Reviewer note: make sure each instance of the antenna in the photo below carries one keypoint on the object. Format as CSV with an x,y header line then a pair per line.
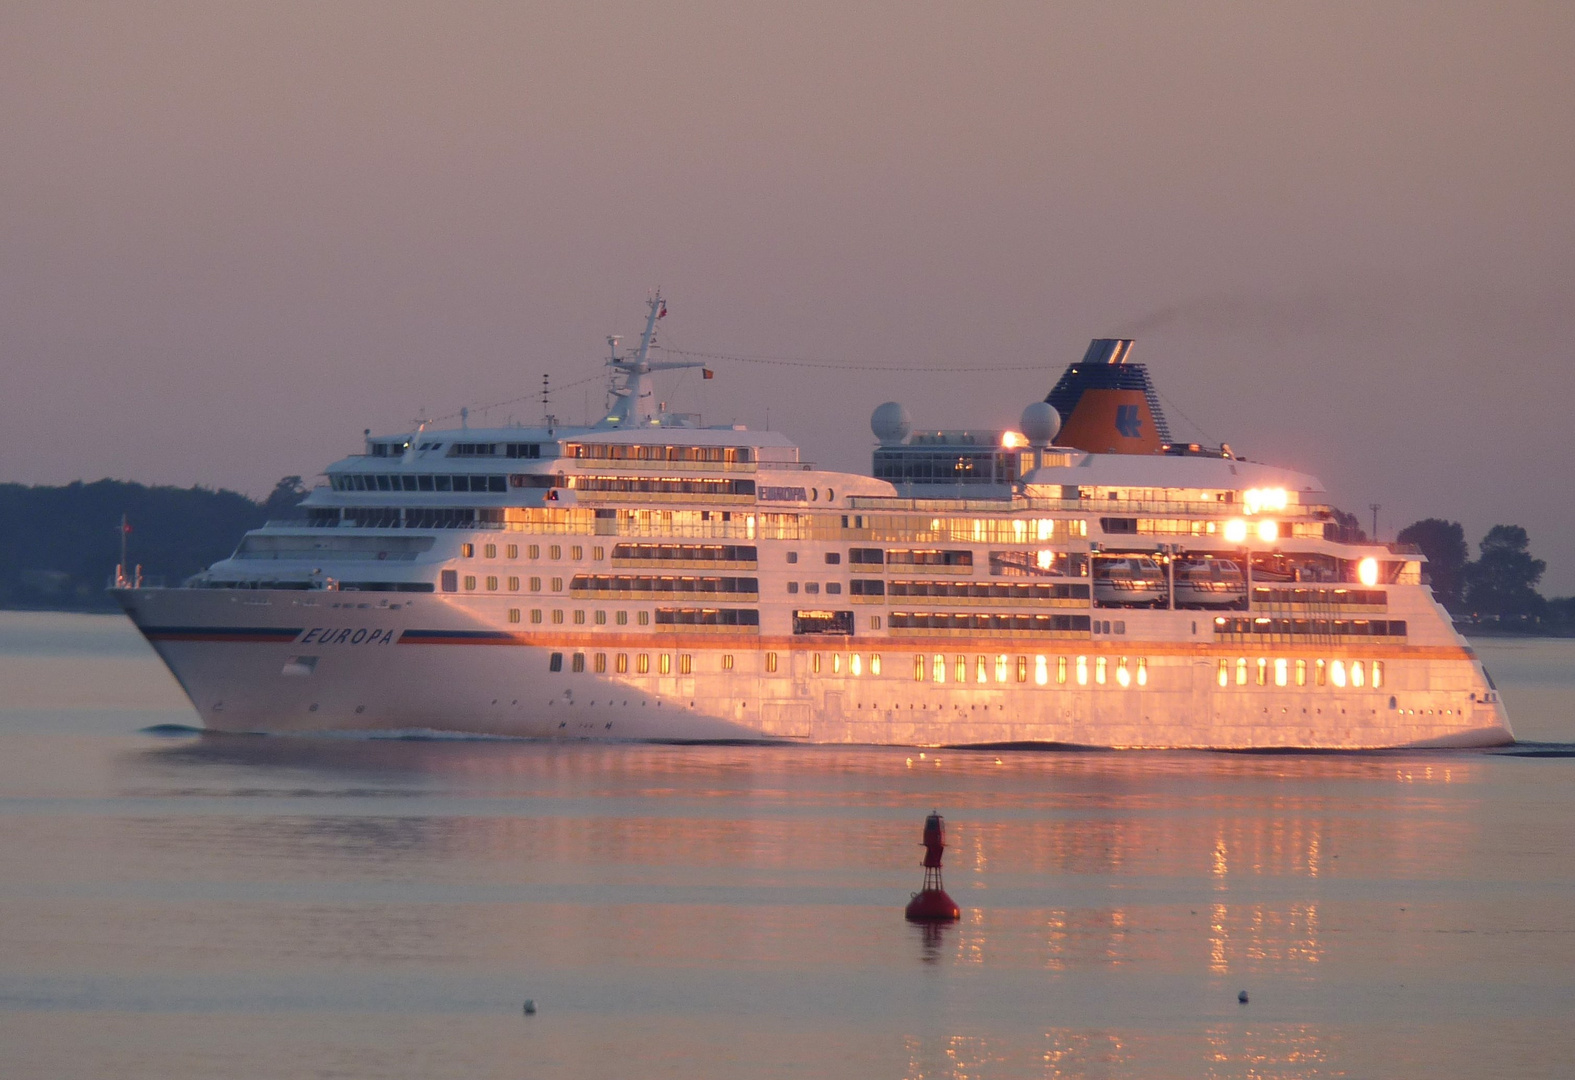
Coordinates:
x,y
1374,508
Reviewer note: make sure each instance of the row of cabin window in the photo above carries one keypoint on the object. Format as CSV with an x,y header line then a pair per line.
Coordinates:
x,y
1123,670
492,583
1285,672
532,551
833,588
642,663
539,616
496,484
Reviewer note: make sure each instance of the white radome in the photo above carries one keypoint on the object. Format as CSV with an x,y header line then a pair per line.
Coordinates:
x,y
891,423
1040,423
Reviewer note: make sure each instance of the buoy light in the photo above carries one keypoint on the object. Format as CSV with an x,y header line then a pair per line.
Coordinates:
x,y
1236,531
1367,571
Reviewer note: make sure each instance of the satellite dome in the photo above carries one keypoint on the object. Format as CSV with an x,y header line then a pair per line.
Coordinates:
x,y
891,423
1040,423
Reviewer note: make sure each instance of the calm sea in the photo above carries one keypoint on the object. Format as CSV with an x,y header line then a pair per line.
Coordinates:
x,y
178,906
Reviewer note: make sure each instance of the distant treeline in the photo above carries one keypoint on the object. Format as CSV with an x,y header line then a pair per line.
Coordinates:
x,y
59,545
1497,591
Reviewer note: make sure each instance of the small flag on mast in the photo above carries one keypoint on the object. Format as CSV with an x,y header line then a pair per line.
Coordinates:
x,y
707,373
663,313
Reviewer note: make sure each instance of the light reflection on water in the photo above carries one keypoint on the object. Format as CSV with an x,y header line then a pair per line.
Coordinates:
x,y
199,906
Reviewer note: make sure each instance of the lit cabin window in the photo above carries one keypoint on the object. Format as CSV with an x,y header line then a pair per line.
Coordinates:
x,y
1082,671
685,663
1301,673
1357,674
875,664
771,661
1337,672
1378,674
1041,671
1060,670
643,664
1224,672
623,663
1099,670
1241,671
601,663
664,664
1001,665
939,668
1142,671
1281,671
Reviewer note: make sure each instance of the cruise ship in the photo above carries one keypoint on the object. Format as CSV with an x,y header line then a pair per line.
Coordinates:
x,y
1081,580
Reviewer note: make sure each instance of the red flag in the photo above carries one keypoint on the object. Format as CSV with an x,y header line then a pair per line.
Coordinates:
x,y
707,373
663,313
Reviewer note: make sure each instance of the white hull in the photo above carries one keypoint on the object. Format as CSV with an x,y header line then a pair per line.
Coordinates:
x,y
394,677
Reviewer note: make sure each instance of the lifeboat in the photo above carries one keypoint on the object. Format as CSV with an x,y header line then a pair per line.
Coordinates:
x,y
1129,582
1209,583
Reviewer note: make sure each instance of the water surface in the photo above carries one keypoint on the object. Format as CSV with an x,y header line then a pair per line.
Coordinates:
x,y
176,905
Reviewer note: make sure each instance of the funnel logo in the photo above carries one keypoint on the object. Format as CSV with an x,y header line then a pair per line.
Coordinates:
x,y
1128,423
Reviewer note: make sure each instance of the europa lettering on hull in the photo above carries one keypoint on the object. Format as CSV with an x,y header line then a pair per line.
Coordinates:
x,y
1068,576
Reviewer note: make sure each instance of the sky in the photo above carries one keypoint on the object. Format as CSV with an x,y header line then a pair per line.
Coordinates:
x,y
232,236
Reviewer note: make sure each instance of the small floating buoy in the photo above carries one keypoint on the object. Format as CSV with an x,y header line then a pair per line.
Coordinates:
x,y
530,1006
1242,997
931,904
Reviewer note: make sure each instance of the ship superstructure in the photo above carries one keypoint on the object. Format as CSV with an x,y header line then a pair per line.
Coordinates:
x,y
1087,583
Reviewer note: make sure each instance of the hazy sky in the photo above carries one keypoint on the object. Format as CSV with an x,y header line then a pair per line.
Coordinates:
x,y
1344,235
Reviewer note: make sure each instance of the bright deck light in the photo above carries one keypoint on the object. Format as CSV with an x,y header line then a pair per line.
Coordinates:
x,y
1367,571
1011,440
1268,531
1260,499
1236,531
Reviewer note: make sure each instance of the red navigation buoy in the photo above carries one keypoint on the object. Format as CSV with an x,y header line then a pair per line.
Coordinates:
x,y
931,904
